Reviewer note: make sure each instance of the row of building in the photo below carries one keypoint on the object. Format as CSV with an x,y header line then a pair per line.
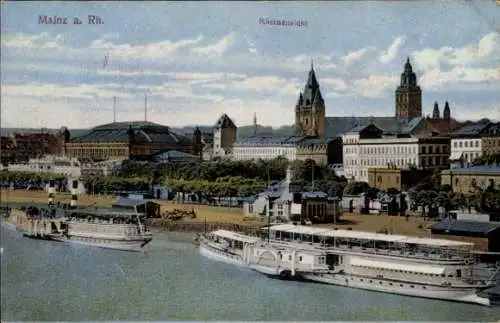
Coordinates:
x,y
355,145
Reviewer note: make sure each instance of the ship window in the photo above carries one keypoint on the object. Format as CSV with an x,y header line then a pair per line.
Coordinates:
x,y
361,279
412,286
300,258
424,287
371,281
290,258
380,283
401,285
443,275
390,284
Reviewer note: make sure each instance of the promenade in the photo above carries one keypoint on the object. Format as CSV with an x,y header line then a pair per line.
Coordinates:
x,y
414,226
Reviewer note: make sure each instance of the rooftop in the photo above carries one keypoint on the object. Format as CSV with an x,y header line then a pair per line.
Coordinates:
x,y
492,169
143,132
459,227
471,129
336,126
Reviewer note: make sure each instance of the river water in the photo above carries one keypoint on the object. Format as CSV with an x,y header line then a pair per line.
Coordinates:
x,y
43,280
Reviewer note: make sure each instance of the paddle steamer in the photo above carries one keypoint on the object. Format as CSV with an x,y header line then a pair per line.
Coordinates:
x,y
420,267
106,228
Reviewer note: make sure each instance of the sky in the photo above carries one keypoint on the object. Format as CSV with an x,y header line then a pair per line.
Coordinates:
x,y
198,60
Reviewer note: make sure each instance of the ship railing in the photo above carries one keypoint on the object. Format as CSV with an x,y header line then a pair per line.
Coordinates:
x,y
465,257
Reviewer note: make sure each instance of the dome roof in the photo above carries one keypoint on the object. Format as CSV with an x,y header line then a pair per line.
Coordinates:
x,y
143,132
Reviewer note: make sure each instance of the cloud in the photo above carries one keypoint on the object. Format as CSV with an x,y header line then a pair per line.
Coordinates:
x,y
216,49
391,53
355,56
487,50
374,86
436,79
193,80
41,41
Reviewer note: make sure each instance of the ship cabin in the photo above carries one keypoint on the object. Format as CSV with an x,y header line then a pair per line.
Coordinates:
x,y
374,243
101,216
149,208
232,239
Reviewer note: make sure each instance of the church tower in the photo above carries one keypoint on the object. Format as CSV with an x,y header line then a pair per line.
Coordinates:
x,y
310,109
435,111
408,94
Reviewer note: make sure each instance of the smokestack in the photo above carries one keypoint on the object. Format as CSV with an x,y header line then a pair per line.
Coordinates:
x,y
52,191
114,109
74,193
146,107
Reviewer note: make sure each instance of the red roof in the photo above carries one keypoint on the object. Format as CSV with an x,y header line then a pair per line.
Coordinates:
x,y
443,126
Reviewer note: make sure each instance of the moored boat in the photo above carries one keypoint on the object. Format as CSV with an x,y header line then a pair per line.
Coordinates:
x,y
421,267
104,228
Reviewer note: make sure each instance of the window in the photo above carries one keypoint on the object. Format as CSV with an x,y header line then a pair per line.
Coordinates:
x,y
300,258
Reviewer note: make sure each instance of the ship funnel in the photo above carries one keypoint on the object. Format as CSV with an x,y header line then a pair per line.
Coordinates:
x,y
74,193
51,191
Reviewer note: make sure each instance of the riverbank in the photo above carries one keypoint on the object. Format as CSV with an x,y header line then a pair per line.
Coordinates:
x,y
225,217
203,212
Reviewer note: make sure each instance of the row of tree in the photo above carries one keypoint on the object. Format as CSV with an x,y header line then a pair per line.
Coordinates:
x,y
430,193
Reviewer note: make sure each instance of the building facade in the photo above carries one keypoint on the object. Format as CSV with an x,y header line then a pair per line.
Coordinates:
x,y
20,147
490,140
466,143
136,139
463,180
398,178
266,148
225,134
367,147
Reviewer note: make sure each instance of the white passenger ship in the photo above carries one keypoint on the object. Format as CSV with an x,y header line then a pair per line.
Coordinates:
x,y
104,228
271,259
421,267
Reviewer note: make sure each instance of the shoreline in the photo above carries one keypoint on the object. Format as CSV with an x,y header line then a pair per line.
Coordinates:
x,y
226,217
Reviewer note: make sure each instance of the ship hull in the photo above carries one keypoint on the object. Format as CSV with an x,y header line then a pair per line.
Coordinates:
x,y
456,294
221,256
123,245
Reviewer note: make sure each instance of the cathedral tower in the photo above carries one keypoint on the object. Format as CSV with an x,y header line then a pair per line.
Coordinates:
x,y
310,109
408,94
435,111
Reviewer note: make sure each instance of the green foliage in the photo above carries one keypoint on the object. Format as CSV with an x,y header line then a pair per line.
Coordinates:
x,y
356,188
8,176
487,160
430,193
